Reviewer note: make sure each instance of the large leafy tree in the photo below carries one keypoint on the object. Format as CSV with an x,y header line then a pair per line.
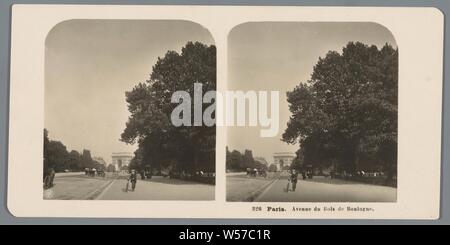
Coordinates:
x,y
162,144
297,162
74,161
45,153
236,161
248,160
57,157
347,112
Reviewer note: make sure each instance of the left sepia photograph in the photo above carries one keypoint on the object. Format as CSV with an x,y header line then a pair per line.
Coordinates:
x,y
113,106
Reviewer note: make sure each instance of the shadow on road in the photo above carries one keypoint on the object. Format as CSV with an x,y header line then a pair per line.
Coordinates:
x,y
325,180
170,181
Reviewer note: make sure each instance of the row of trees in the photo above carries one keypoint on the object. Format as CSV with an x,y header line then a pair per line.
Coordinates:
x,y
161,145
58,158
236,161
346,115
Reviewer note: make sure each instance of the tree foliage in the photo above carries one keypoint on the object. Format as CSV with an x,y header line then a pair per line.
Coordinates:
x,y
161,144
299,159
57,157
236,161
347,112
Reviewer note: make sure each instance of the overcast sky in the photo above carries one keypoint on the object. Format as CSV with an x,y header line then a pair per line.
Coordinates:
x,y
279,56
90,64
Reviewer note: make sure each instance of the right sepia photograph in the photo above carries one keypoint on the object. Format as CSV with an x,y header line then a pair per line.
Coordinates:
x,y
332,113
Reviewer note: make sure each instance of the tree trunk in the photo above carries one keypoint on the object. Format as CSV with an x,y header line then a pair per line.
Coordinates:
x,y
356,162
196,153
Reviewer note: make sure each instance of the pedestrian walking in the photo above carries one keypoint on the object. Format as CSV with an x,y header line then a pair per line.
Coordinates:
x,y
133,179
288,187
293,179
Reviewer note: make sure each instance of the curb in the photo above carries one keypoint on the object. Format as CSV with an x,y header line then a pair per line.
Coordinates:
x,y
256,194
94,194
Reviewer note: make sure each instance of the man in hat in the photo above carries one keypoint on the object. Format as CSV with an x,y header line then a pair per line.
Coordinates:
x,y
133,179
293,179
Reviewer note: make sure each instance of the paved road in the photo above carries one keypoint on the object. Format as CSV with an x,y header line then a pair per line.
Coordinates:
x,y
75,187
241,188
159,188
334,191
